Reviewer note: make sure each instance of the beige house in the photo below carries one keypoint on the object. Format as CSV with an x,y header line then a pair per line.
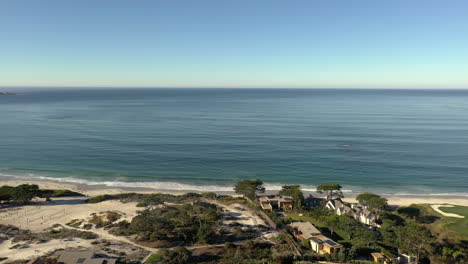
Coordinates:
x,y
322,244
318,242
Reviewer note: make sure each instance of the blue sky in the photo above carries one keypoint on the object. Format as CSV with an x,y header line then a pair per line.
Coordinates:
x,y
316,44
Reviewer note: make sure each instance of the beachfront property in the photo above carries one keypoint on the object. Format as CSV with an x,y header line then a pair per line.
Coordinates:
x,y
275,202
322,244
83,257
359,211
318,242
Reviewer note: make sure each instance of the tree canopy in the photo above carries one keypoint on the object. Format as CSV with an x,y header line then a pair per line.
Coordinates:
x,y
414,239
295,192
373,201
6,193
190,222
331,189
25,193
249,188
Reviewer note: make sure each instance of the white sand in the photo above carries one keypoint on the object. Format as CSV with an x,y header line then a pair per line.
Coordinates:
x,y
437,206
42,215
36,250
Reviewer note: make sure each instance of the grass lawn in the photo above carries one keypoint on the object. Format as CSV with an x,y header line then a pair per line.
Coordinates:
x,y
297,217
154,258
447,227
459,225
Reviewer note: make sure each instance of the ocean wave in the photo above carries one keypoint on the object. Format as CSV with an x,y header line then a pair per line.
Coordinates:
x,y
160,185
177,186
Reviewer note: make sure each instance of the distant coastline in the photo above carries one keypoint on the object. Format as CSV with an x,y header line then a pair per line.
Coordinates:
x,y
7,93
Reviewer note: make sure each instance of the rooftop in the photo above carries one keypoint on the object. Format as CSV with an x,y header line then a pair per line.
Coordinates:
x,y
307,229
321,239
279,198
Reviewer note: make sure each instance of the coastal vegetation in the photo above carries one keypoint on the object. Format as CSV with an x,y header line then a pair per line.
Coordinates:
x,y
249,188
144,199
24,193
331,189
373,201
56,232
169,225
295,192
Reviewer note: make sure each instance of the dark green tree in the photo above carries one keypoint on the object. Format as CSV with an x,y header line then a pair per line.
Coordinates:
x,y
6,193
331,189
24,193
295,192
45,194
364,197
179,255
249,188
333,223
204,233
373,201
414,239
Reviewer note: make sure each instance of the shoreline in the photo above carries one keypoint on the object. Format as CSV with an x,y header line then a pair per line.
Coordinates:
x,y
99,189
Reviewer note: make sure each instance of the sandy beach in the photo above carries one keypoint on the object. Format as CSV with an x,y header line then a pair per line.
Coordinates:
x,y
93,190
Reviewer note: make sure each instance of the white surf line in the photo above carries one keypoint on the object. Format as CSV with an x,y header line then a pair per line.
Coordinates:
x,y
436,208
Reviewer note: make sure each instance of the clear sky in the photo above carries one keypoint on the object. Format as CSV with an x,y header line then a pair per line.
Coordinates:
x,y
240,43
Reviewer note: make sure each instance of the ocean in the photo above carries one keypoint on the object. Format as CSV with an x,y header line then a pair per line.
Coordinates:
x,y
399,142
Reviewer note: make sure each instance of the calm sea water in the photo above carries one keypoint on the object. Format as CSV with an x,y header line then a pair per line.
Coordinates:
x,y
390,141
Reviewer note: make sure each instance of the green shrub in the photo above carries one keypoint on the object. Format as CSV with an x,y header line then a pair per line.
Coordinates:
x,y
154,258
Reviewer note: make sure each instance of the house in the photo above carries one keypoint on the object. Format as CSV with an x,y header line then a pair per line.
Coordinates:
x,y
271,202
367,217
339,207
318,242
304,230
83,257
311,201
380,258
322,244
364,215
359,211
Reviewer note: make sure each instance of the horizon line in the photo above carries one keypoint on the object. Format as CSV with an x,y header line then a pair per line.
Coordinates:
x,y
232,87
